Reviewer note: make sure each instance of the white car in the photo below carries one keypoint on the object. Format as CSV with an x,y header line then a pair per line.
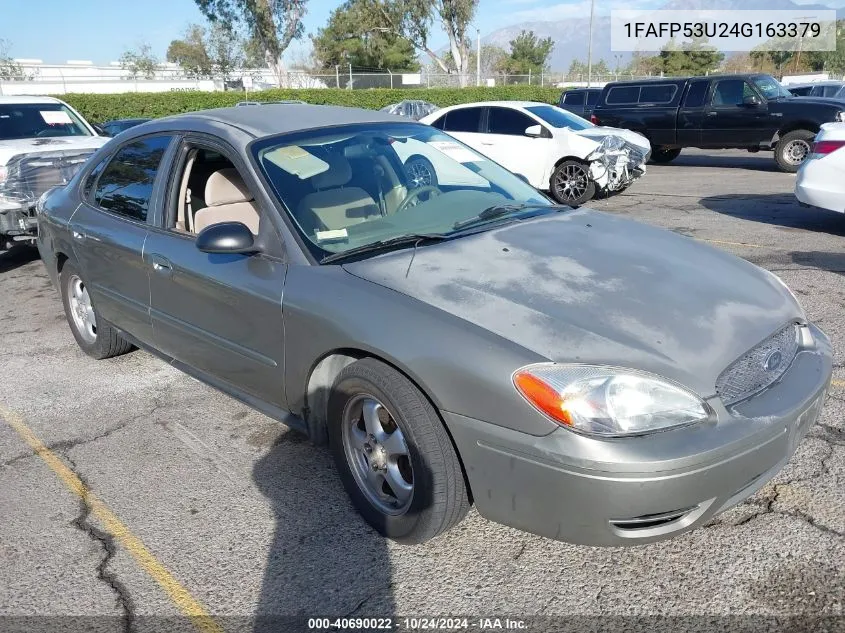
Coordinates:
x,y
43,141
821,178
552,149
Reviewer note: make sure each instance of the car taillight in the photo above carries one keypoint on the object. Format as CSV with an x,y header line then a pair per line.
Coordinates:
x,y
822,148
594,119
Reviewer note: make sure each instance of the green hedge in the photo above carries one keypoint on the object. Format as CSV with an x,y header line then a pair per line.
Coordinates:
x,y
105,107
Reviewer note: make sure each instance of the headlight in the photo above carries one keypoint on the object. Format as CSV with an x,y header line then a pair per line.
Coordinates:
x,y
608,401
840,116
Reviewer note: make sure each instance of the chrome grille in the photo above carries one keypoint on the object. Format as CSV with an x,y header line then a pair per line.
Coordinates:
x,y
759,367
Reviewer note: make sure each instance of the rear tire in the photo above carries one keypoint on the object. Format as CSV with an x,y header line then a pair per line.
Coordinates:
x,y
571,183
394,456
94,336
664,155
792,150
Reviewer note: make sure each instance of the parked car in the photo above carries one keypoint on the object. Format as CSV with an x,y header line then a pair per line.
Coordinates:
x,y
750,112
412,108
113,128
572,373
580,101
43,141
552,149
830,89
821,179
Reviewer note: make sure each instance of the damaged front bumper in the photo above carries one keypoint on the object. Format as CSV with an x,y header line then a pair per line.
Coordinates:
x,y
616,163
18,222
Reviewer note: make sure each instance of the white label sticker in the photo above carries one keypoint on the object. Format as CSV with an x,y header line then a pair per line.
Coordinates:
x,y
328,236
55,117
456,152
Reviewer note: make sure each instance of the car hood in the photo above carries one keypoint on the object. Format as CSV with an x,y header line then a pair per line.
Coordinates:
x,y
795,104
16,147
597,133
589,287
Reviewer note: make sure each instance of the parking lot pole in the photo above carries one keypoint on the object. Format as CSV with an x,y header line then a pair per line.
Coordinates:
x,y
590,45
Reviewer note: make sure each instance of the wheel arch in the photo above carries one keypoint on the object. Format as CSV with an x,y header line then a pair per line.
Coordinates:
x,y
318,388
792,126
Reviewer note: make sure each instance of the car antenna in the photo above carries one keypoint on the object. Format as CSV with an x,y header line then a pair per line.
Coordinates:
x,y
413,255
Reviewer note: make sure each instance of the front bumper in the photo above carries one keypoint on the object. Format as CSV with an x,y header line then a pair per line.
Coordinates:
x,y
638,490
17,220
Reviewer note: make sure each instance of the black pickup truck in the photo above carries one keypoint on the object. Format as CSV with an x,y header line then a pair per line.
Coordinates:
x,y
752,112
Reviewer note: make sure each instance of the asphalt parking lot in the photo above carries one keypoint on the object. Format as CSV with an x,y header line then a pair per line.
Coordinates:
x,y
156,496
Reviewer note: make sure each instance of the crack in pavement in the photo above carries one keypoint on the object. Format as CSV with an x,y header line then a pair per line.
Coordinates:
x,y
123,599
63,446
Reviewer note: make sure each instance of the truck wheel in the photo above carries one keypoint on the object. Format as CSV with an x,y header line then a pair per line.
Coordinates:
x,y
393,453
665,155
793,149
571,183
94,336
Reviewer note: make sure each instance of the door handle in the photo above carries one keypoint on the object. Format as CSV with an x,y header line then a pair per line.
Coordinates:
x,y
712,113
161,264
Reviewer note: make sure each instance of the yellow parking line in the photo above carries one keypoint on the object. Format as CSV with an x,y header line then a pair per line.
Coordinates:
x,y
180,596
838,383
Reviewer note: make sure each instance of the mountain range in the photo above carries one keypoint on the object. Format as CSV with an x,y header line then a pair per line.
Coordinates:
x,y
570,36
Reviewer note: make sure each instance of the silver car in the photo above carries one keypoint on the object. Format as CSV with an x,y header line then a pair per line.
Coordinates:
x,y
570,373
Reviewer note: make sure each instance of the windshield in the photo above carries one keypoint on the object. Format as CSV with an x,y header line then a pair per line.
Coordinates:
x,y
770,87
33,120
351,186
558,117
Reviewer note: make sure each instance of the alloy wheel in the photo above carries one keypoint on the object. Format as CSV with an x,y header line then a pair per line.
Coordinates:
x,y
796,151
571,182
378,454
81,310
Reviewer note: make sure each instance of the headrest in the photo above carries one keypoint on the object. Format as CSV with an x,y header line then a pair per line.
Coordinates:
x,y
338,174
226,187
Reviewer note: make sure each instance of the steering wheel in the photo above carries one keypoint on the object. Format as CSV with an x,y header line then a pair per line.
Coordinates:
x,y
414,196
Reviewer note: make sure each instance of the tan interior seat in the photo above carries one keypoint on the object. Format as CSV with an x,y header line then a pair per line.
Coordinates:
x,y
335,205
227,199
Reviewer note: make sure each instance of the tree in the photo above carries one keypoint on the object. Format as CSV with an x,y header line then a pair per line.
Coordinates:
x,y
191,52
529,54
140,61
274,24
348,39
225,50
9,68
412,20
692,58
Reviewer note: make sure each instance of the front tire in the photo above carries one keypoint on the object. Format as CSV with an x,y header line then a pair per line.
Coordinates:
x,y
792,150
420,172
571,183
94,336
394,456
664,155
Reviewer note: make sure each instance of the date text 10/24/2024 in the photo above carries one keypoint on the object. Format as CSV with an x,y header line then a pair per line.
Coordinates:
x,y
417,624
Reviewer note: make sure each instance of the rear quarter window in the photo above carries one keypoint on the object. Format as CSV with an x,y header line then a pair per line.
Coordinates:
x,y
663,93
623,94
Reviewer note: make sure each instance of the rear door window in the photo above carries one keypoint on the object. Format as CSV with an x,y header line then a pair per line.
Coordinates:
x,y
508,121
573,98
623,94
593,97
126,184
463,120
696,94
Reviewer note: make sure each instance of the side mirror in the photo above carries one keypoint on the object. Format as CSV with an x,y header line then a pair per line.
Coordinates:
x,y
99,130
534,131
226,237
752,101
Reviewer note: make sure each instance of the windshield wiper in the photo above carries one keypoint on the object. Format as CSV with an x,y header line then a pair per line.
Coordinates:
x,y
408,239
498,211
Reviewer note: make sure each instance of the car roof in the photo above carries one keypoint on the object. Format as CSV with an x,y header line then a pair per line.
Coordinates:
x,y
272,119
506,104
27,99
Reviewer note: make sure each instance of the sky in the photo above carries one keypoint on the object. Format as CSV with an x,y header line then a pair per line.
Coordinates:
x,y
101,30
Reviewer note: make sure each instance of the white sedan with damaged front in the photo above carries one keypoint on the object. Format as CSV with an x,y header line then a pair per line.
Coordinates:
x,y
552,149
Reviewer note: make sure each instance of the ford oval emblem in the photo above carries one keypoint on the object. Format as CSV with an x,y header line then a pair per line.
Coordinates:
x,y
773,361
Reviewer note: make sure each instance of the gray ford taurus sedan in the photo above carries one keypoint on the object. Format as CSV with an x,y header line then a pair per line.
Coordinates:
x,y
456,341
